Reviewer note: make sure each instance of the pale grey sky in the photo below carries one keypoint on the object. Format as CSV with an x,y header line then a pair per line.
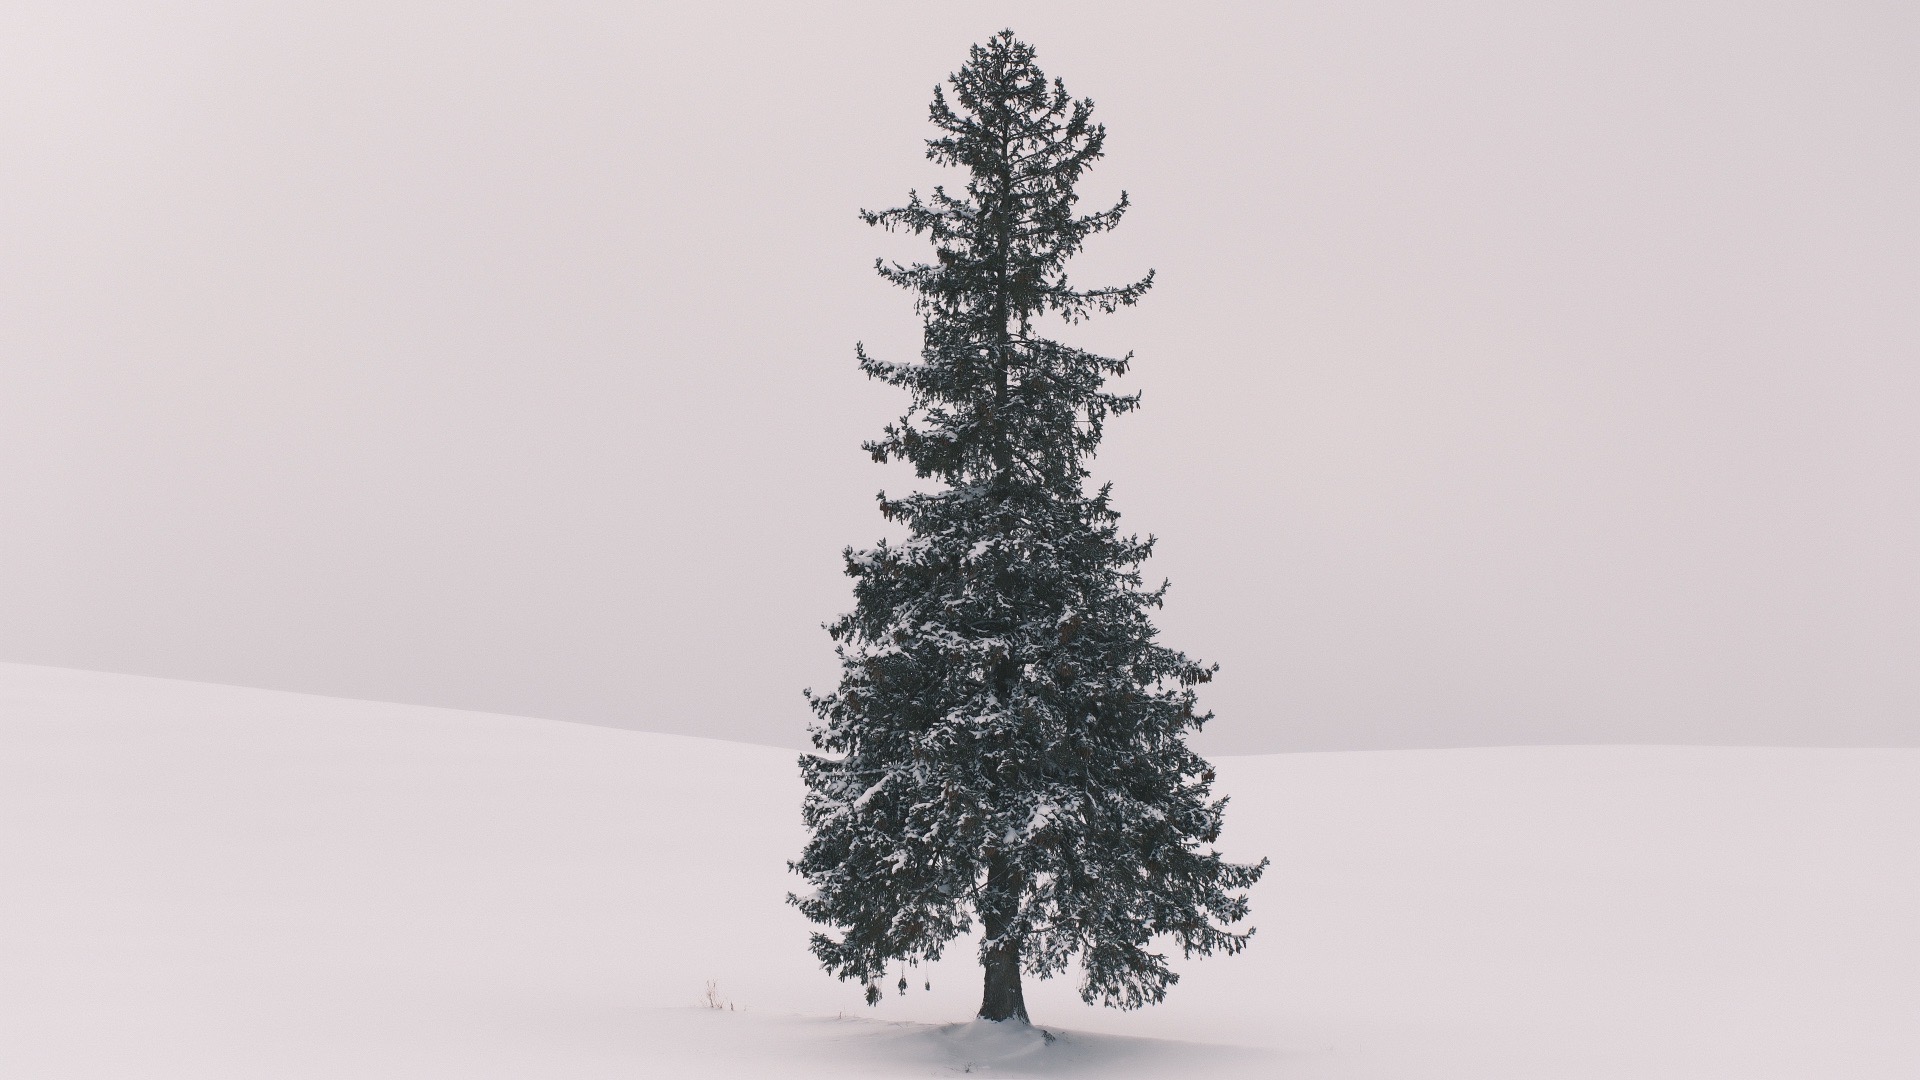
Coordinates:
x,y
1517,372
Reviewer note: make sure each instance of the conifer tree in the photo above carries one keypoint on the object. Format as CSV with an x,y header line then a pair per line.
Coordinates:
x,y
1007,739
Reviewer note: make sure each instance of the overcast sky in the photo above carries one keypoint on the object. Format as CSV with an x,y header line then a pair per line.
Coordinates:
x,y
1516,372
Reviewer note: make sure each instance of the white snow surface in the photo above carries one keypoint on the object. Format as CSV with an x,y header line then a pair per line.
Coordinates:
x,y
210,882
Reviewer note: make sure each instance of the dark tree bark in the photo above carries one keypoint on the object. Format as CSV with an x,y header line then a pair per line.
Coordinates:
x,y
1001,998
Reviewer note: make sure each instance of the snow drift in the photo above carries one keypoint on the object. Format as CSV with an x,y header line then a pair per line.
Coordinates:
x,y
204,881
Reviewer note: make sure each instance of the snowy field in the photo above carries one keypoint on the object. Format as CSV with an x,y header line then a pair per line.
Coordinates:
x,y
208,882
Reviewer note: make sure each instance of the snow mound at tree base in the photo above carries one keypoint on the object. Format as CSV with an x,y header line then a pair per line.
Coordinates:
x,y
214,883
726,1044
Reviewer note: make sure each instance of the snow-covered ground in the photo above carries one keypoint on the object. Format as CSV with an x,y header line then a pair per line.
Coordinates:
x,y
210,882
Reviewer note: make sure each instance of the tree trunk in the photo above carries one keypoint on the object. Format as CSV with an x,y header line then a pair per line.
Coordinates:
x,y
1002,999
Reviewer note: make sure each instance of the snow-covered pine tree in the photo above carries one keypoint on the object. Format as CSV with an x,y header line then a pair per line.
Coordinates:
x,y
1007,740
